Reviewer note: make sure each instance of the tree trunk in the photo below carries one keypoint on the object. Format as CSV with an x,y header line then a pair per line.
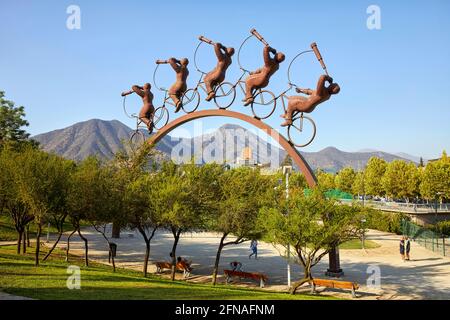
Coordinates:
x,y
38,245
27,231
307,278
85,247
68,244
54,246
216,264
115,232
147,246
147,256
19,241
112,258
24,242
176,236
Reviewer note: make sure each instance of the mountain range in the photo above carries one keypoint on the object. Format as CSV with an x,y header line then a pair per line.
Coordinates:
x,y
104,138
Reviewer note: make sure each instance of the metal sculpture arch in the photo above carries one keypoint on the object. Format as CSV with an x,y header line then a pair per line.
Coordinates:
x,y
288,147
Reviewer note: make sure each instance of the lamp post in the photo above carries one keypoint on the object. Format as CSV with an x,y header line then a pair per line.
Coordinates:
x,y
286,171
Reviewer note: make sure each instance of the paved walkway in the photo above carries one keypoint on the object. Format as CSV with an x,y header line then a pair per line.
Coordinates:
x,y
7,296
426,276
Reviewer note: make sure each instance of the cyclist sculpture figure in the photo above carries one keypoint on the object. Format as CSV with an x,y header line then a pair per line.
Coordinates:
x,y
260,78
316,97
180,85
217,75
147,111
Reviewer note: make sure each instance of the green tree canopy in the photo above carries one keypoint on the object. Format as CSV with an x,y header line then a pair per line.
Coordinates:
x,y
401,180
325,180
345,178
313,226
12,122
41,182
358,186
242,192
436,179
373,174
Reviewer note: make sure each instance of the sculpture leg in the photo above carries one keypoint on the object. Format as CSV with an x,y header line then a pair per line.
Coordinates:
x,y
209,83
249,87
289,112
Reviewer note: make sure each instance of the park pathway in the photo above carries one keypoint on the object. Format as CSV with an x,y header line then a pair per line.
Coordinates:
x,y
426,276
7,296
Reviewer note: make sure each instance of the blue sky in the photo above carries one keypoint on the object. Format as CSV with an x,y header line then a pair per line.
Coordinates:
x,y
394,82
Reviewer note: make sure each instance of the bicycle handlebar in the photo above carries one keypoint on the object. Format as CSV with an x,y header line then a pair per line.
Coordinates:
x,y
258,36
161,61
319,56
206,40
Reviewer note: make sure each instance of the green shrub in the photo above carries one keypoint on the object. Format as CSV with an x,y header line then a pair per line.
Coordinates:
x,y
384,221
442,227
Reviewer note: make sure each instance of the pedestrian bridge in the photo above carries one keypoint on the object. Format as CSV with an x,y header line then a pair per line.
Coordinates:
x,y
420,213
404,207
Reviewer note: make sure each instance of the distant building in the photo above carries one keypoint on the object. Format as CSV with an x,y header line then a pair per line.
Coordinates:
x,y
246,160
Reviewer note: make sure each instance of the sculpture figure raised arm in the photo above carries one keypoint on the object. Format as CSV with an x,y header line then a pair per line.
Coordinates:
x,y
259,78
217,75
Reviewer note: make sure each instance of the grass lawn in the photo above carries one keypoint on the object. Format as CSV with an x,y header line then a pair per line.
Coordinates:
x,y
9,233
19,276
356,244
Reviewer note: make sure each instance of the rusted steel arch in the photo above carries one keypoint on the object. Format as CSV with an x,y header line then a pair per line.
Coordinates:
x,y
290,149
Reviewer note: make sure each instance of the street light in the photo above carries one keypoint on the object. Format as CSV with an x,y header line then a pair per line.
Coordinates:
x,y
286,171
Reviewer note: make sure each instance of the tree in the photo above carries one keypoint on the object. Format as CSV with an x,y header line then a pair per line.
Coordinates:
x,y
297,180
345,179
358,186
40,180
421,164
373,174
401,180
142,214
325,180
243,192
287,161
108,183
83,198
11,122
180,201
436,179
313,227
59,212
11,163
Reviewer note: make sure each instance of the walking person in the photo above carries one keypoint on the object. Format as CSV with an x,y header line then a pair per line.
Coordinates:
x,y
402,248
407,248
254,248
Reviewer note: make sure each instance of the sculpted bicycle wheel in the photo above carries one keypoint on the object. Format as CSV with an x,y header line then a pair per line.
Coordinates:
x,y
161,117
225,93
190,100
137,139
302,131
264,104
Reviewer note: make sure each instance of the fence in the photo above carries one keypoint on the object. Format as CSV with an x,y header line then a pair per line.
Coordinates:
x,y
427,238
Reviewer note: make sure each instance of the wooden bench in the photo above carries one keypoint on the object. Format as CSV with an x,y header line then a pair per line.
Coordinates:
x,y
180,266
334,284
250,275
